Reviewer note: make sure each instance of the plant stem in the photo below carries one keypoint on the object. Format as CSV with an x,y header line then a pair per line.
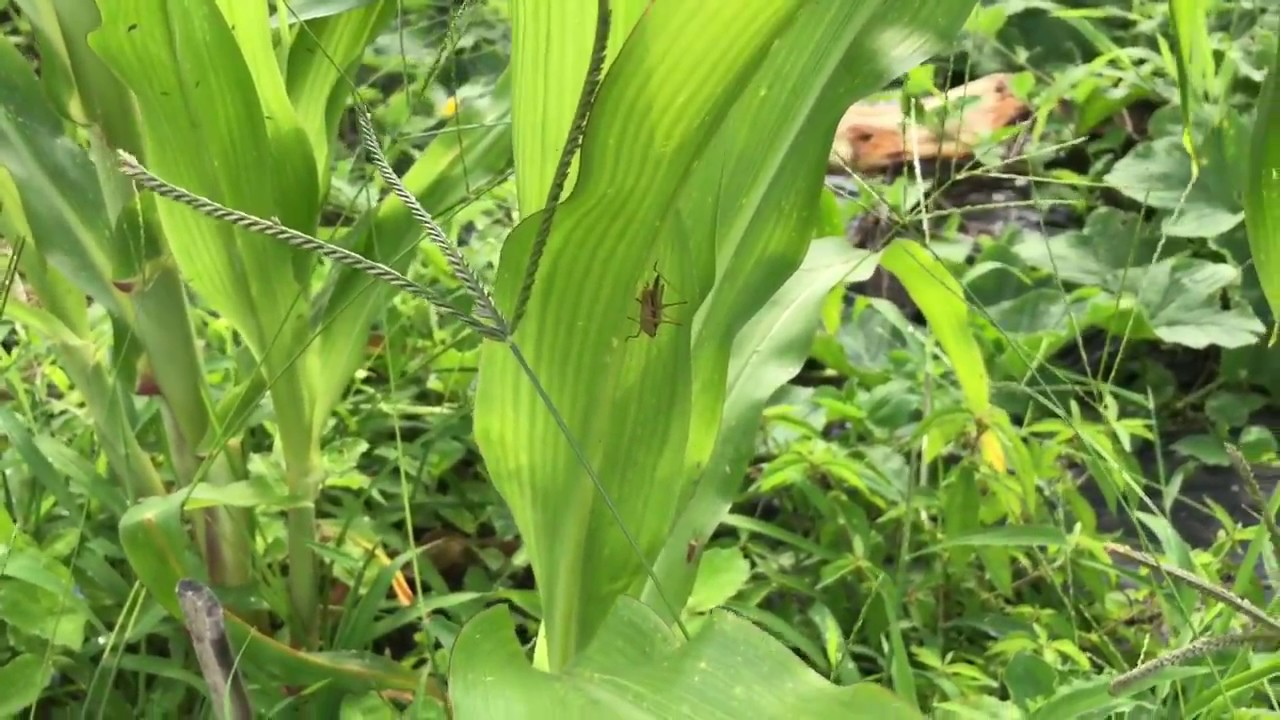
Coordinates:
x,y
301,471
303,593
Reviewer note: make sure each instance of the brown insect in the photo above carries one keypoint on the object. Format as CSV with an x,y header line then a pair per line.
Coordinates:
x,y
652,307
691,552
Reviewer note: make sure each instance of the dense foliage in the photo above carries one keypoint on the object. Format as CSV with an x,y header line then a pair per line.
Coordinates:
x,y
761,443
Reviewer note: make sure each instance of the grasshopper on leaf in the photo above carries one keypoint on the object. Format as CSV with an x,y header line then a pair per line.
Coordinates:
x,y
652,307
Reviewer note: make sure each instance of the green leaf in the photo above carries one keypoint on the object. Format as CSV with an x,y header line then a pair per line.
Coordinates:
x,y
1111,240
550,50
105,398
156,545
1029,677
1232,409
1262,186
200,85
1205,448
42,614
979,708
57,186
1004,536
636,668
722,572
1158,173
99,96
767,353
724,180
24,678
303,10
337,33
580,557
942,301
1180,298
1085,699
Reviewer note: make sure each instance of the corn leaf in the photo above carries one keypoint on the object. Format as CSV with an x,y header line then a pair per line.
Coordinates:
x,y
767,353
320,54
550,50
639,669
54,182
717,124
1262,188
214,122
604,244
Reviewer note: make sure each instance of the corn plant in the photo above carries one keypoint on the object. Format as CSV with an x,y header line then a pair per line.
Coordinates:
x,y
701,161
243,106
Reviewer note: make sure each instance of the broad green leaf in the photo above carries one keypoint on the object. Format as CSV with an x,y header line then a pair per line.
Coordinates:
x,y
763,172
1029,677
764,168
550,50
160,553
349,670
205,129
155,542
54,188
1110,241
24,678
320,56
604,245
1262,187
55,182
767,353
314,9
941,298
1158,173
292,156
636,668
744,173
1180,302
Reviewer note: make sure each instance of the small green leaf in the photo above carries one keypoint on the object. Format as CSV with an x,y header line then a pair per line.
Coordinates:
x,y
1110,241
155,542
23,678
1232,409
1087,699
721,574
34,611
1029,677
1003,536
1205,448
